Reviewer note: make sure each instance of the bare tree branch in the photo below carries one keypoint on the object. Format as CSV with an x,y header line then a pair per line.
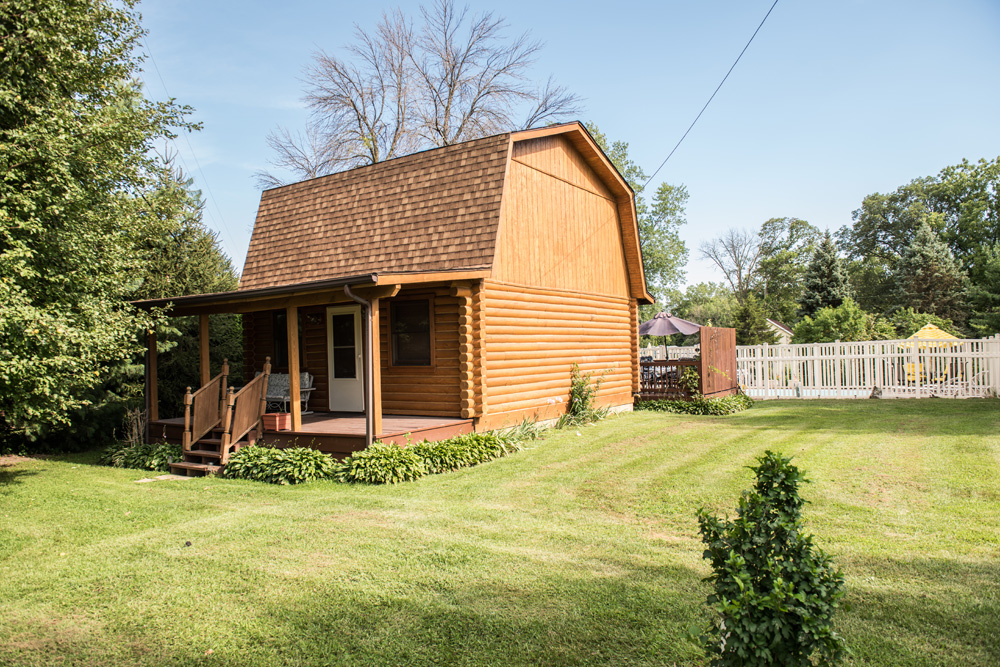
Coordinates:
x,y
398,90
737,253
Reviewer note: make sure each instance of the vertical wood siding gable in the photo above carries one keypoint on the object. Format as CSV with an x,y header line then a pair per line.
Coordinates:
x,y
559,225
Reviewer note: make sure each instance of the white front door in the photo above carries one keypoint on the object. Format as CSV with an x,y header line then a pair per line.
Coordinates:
x,y
344,359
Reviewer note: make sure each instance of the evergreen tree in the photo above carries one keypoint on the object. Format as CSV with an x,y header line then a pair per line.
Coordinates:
x,y
929,279
751,323
825,284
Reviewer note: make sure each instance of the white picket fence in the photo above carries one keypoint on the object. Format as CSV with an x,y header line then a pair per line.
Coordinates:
x,y
667,352
899,368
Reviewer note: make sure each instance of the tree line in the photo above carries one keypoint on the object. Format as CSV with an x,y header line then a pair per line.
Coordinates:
x,y
928,252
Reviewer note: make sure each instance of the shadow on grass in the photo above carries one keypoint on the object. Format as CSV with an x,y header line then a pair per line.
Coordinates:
x,y
10,476
926,612
634,618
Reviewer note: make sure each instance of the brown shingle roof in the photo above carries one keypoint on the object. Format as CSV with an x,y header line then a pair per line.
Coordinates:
x,y
432,211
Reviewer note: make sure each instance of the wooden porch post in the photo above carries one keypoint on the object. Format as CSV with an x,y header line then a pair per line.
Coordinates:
x,y
203,350
376,366
294,390
153,392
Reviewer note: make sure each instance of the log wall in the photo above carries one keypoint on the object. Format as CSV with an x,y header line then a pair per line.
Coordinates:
x,y
531,338
425,390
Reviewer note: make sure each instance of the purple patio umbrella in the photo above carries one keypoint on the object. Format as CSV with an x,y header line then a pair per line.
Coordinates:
x,y
665,324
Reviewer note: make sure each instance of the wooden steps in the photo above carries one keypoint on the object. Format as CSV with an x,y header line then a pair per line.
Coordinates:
x,y
202,459
194,469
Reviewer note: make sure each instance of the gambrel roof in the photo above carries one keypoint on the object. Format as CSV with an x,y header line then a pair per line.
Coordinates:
x,y
429,212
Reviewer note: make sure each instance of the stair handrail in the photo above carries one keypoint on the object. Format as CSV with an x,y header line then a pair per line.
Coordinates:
x,y
241,416
203,420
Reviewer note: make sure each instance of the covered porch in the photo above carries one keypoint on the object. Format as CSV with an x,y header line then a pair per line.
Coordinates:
x,y
336,333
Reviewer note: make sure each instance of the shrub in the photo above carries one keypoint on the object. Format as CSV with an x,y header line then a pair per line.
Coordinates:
x,y
141,456
582,391
700,405
382,463
690,381
774,591
280,466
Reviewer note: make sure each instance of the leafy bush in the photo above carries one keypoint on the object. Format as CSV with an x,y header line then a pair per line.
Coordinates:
x,y
690,381
382,463
774,591
141,456
726,405
582,391
280,466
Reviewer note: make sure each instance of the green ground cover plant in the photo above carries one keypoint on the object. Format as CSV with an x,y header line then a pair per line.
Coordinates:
x,y
579,550
294,465
141,456
699,405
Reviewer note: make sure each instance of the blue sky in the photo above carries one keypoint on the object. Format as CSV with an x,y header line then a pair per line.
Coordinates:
x,y
834,99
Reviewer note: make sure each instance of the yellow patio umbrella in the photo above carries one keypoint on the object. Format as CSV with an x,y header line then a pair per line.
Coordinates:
x,y
929,332
932,332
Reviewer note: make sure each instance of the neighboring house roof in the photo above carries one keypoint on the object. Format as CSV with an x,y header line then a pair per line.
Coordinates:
x,y
781,326
433,211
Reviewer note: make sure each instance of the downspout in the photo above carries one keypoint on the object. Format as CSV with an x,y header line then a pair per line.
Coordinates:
x,y
369,371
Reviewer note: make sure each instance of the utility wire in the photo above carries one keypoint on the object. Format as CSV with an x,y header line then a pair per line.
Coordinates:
x,y
712,97
223,227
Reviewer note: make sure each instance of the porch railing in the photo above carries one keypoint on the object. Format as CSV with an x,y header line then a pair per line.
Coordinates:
x,y
659,379
244,410
203,409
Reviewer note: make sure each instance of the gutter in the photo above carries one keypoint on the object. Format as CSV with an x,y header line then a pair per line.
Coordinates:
x,y
369,371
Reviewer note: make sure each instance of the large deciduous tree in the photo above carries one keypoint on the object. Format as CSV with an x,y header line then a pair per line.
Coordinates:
x,y
825,283
737,253
787,246
76,135
983,293
400,88
961,203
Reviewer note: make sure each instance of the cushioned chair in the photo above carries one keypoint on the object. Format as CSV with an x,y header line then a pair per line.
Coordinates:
x,y
279,393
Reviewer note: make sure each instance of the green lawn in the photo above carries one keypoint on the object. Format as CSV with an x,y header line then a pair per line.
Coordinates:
x,y
581,550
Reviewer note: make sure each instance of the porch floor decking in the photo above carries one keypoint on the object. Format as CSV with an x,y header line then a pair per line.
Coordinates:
x,y
344,432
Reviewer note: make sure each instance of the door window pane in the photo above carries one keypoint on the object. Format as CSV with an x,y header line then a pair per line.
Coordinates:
x,y
411,332
343,362
344,354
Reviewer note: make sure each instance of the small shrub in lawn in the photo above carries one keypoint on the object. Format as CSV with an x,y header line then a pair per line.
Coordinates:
x,y
775,593
141,456
441,456
280,466
726,405
382,463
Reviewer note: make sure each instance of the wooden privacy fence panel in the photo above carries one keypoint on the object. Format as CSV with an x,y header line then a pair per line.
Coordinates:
x,y
718,361
899,368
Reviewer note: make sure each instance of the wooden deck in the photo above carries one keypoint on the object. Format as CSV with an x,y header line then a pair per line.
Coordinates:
x,y
342,433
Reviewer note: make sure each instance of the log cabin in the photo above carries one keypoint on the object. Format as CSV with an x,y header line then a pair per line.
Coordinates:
x,y
442,292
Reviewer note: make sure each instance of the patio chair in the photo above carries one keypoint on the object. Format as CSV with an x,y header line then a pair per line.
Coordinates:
x,y
279,392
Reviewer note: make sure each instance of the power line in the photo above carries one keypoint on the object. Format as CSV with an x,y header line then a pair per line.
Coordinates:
x,y
712,97
224,226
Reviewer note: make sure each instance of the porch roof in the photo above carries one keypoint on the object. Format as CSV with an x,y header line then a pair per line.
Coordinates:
x,y
301,294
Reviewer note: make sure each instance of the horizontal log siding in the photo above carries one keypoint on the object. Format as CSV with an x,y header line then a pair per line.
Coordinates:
x,y
425,391
534,335
559,226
